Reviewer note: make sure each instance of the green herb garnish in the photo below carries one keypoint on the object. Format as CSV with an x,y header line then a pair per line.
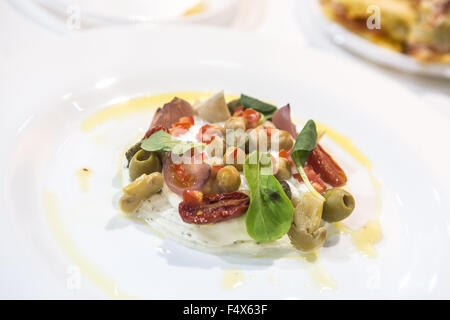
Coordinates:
x,y
264,108
305,143
269,215
162,141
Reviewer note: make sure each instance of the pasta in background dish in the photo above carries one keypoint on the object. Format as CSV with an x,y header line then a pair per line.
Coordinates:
x,y
418,28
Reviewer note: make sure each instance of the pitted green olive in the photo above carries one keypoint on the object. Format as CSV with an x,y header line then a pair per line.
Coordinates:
x,y
339,205
228,179
144,162
132,151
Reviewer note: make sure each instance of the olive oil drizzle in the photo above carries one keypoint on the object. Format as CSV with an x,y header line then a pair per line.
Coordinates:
x,y
232,279
94,274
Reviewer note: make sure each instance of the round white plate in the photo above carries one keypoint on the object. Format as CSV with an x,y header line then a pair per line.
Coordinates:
x,y
313,21
61,14
58,241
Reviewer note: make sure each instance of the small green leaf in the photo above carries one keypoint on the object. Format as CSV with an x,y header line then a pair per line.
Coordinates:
x,y
305,143
162,141
270,213
262,107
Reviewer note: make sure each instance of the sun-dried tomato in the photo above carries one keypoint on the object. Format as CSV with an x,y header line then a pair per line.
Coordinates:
x,y
192,197
154,129
327,167
215,208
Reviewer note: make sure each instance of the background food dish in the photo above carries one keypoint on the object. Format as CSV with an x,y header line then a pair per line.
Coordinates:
x,y
312,19
55,105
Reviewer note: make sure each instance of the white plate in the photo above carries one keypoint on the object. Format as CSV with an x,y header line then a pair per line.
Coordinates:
x,y
46,96
61,14
314,22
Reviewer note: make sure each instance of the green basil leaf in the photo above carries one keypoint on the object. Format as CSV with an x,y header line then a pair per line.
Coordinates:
x,y
305,143
162,141
262,107
270,213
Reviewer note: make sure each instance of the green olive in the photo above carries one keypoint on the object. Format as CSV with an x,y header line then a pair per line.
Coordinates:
x,y
285,141
132,151
228,179
284,169
339,205
144,162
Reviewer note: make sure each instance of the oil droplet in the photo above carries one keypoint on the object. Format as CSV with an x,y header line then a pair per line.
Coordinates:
x,y
365,238
321,278
232,279
317,273
272,279
83,176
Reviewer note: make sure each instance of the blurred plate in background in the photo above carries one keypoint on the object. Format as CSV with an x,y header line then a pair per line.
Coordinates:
x,y
96,13
315,25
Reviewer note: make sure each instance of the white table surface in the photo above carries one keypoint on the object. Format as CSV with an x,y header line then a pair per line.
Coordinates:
x,y
20,33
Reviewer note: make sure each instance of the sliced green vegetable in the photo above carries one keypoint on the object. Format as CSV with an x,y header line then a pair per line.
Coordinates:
x,y
162,141
305,143
262,107
270,213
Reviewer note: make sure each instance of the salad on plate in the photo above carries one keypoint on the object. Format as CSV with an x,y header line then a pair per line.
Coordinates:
x,y
234,177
